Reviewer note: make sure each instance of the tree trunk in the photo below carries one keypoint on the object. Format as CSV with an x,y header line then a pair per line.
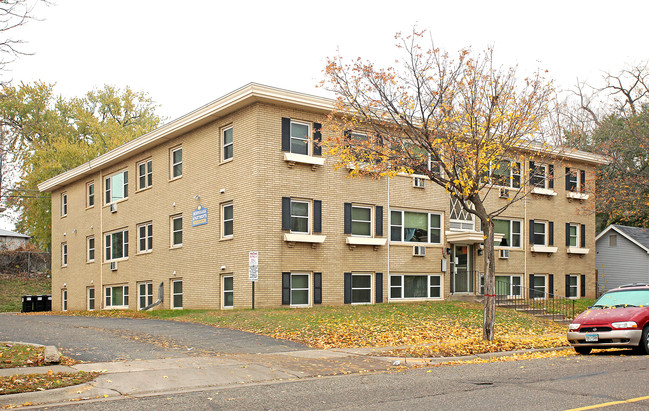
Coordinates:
x,y
489,316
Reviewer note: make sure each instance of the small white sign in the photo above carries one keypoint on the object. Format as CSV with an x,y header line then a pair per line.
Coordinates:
x,y
253,265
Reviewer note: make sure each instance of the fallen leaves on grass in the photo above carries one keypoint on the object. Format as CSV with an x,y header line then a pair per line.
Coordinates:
x,y
18,355
514,357
40,382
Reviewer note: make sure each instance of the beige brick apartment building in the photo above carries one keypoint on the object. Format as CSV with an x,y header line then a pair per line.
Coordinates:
x,y
182,207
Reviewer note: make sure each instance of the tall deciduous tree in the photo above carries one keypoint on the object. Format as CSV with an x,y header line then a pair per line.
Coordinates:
x,y
46,135
454,121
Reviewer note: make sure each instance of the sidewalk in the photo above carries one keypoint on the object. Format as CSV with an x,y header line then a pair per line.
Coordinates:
x,y
146,377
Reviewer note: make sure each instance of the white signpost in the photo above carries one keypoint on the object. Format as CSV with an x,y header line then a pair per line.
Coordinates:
x,y
253,272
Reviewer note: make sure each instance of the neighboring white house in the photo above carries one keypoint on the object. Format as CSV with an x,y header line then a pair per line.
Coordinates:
x,y
622,256
10,240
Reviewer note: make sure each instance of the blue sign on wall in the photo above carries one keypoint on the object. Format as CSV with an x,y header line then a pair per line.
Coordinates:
x,y
199,216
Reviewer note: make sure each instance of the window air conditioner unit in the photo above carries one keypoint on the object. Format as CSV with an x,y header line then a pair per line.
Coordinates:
x,y
113,266
504,193
419,251
504,254
113,208
418,182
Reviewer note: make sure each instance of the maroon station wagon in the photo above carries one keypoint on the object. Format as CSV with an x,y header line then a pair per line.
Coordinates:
x,y
619,319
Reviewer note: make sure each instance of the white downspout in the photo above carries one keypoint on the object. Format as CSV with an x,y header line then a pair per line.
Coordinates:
x,y
388,238
523,240
101,240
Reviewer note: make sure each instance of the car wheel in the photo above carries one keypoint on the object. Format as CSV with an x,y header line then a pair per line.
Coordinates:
x,y
583,350
643,348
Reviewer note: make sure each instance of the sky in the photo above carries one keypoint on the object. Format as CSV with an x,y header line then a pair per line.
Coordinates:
x,y
186,54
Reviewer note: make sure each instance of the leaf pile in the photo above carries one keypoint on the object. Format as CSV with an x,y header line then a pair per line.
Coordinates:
x,y
40,382
17,355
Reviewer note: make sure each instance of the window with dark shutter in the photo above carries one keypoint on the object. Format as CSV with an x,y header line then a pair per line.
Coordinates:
x,y
348,288
317,288
286,288
379,288
317,216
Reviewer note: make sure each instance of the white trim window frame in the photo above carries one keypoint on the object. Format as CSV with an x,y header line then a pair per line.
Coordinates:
x,y
540,176
227,220
541,236
399,230
514,236
90,249
574,235
116,187
91,298
144,294
227,144
144,174
90,194
64,300
514,283
299,142
300,289
539,288
145,238
362,290
176,162
176,225
362,221
116,245
64,254
399,282
510,179
227,291
116,296
176,294
300,213
573,286
64,204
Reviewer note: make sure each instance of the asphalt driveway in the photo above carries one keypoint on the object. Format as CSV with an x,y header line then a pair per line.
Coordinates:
x,y
114,339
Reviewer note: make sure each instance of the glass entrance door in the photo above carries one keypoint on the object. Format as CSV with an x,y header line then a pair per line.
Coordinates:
x,y
462,273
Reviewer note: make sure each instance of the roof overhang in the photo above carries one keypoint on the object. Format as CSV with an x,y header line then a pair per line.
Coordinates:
x,y
623,234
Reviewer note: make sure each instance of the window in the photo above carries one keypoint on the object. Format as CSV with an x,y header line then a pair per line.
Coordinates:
x,y
459,218
414,227
572,286
572,236
415,286
176,162
227,144
228,220
90,244
539,235
361,288
144,174
300,138
64,204
64,254
538,175
361,221
511,231
145,294
299,216
117,245
116,187
538,286
508,285
612,240
228,291
299,289
116,296
177,294
177,231
575,180
64,300
91,298
506,173
90,194
145,238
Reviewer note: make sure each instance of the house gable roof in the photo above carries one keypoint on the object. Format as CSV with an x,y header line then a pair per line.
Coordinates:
x,y
638,236
7,233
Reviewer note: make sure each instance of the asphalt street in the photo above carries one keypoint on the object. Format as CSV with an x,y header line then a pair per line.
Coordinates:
x,y
115,339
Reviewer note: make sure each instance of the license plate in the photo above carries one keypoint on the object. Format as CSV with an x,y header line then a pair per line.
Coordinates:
x,y
592,337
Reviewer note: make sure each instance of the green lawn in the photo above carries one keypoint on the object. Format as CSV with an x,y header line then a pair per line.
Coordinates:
x,y
13,287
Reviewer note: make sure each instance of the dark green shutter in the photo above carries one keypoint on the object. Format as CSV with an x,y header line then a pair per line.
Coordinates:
x,y
531,232
286,288
347,220
567,178
530,286
583,236
582,294
550,233
551,285
317,288
286,134
348,288
567,285
582,176
550,176
379,288
379,221
567,234
317,139
317,216
286,213
531,170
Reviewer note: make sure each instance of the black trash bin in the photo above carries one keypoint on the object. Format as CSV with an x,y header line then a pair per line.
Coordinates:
x,y
39,302
48,302
28,303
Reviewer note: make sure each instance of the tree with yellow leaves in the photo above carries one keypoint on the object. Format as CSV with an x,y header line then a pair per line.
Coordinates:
x,y
461,122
